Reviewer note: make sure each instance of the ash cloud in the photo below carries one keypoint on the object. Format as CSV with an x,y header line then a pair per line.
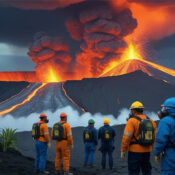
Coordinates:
x,y
49,51
101,32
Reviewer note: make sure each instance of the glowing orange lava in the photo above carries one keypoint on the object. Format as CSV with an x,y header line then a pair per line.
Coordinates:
x,y
23,102
133,53
52,76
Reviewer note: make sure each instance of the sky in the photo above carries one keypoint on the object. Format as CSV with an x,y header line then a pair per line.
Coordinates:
x,y
18,26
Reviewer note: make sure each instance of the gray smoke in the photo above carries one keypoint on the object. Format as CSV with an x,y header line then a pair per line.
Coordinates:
x,y
101,31
46,50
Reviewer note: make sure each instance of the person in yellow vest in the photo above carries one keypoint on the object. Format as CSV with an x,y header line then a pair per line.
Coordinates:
x,y
61,132
41,145
138,140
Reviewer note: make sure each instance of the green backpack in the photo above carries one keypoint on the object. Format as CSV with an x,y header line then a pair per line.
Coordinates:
x,y
36,130
58,132
146,132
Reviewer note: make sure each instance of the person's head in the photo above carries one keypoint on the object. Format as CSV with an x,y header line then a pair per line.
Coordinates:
x,y
106,121
63,116
168,108
137,108
91,122
43,117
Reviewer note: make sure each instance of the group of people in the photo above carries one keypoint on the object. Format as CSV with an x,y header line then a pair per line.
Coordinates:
x,y
139,138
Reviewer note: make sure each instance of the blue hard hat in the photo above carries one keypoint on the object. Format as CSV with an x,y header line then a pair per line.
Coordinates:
x,y
170,102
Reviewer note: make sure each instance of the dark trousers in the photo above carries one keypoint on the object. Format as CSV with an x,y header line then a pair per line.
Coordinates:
x,y
41,156
137,162
107,149
103,162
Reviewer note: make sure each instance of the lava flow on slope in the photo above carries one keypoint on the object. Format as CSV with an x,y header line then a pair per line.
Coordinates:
x,y
131,60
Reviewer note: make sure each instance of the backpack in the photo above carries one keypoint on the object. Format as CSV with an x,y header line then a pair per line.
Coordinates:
x,y
58,132
146,132
36,130
88,135
106,135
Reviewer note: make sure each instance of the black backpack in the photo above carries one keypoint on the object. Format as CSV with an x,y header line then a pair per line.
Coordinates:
x,y
58,132
146,132
36,130
106,135
88,135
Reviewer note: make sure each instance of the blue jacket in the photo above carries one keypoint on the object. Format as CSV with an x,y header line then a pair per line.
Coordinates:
x,y
94,134
166,136
111,130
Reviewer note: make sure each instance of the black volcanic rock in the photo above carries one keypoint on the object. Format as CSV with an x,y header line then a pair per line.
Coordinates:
x,y
108,95
8,89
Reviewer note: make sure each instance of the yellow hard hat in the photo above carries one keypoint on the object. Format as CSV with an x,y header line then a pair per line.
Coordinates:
x,y
137,105
106,121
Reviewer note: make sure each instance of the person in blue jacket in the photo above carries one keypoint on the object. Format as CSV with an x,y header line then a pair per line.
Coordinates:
x,y
165,138
106,134
90,143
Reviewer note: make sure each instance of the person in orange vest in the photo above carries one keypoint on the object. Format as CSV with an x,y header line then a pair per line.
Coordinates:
x,y
42,142
138,140
61,132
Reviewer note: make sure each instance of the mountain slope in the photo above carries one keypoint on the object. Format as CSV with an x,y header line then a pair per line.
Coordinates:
x,y
109,95
50,97
133,65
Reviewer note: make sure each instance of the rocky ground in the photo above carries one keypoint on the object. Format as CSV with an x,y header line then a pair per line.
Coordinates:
x,y
15,163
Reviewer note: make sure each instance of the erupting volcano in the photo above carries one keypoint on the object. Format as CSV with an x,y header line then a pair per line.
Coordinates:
x,y
106,33
132,60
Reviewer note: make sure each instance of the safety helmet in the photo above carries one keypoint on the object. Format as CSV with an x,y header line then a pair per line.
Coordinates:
x,y
137,105
91,121
106,121
42,115
63,115
170,102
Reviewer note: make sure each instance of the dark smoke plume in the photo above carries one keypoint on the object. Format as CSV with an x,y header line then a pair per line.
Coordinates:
x,y
47,51
101,31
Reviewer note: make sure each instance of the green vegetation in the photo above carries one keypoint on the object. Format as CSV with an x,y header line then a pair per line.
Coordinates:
x,y
8,139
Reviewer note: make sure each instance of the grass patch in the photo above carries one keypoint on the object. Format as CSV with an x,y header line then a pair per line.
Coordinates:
x,y
8,139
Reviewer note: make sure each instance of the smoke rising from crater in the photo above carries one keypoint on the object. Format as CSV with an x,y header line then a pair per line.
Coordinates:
x,y
48,52
101,32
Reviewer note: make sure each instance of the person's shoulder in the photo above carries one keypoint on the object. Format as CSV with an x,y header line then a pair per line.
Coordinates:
x,y
101,128
94,129
86,127
131,120
167,120
66,124
152,121
43,125
113,128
